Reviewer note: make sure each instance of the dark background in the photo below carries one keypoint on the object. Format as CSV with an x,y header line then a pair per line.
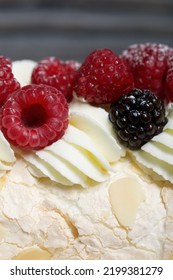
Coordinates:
x,y
35,29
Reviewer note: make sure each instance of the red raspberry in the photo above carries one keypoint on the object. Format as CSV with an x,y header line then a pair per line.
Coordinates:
x,y
54,72
103,77
34,117
149,64
169,81
8,84
5,61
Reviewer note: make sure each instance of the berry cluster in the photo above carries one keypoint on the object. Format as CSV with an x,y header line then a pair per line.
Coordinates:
x,y
106,78
35,116
103,77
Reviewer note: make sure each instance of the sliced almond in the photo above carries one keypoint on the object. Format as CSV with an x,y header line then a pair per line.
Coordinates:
x,y
125,195
33,254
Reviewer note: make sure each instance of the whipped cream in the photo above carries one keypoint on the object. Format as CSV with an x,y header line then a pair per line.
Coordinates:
x,y
22,70
7,157
85,154
157,155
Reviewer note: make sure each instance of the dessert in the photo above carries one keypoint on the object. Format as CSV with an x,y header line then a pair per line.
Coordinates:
x,y
84,188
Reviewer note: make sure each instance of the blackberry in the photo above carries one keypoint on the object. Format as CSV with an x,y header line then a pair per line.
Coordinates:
x,y
137,117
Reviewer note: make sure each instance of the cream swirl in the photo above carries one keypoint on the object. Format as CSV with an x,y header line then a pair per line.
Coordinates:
x,y
84,156
157,155
22,70
7,157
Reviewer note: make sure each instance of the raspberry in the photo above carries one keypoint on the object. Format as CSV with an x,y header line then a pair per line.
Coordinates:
x,y
34,116
5,61
54,72
169,81
137,117
149,64
8,84
103,77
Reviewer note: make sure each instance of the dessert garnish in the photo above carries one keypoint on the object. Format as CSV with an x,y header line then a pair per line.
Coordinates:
x,y
169,81
137,117
126,194
34,116
5,61
8,83
149,64
103,77
54,72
